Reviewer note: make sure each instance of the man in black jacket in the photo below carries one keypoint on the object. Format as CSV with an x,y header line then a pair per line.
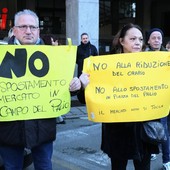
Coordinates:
x,y
37,135
84,50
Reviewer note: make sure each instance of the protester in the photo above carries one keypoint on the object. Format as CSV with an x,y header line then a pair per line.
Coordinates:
x,y
168,46
122,141
154,40
37,135
84,50
27,153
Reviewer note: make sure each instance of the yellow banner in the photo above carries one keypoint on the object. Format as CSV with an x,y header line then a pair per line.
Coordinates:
x,y
34,81
128,87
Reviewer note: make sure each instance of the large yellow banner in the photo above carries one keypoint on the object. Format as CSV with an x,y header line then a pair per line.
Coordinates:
x,y
128,87
34,81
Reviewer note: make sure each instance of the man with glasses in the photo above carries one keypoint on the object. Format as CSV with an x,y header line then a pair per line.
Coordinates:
x,y
26,29
37,135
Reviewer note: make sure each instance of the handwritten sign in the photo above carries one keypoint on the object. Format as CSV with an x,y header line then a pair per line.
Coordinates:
x,y
128,87
34,81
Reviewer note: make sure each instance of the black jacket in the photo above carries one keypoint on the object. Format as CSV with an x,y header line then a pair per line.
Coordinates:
x,y
84,51
27,133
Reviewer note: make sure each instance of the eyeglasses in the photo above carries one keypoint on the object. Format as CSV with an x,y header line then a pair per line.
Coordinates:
x,y
25,27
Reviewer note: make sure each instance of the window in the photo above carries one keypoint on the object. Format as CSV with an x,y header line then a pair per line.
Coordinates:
x,y
127,9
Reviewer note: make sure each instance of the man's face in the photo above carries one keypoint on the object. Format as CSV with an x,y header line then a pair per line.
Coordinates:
x,y
26,30
155,40
84,39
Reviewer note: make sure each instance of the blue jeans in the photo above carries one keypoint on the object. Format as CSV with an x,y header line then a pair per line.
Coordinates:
x,y
165,145
13,157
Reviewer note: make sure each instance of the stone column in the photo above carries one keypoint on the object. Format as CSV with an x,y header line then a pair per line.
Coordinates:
x,y
82,16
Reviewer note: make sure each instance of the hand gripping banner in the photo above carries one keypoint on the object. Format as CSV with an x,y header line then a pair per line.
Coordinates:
x,y
128,87
34,81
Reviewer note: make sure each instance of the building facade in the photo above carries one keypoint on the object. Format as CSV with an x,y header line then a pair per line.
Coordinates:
x,y
101,19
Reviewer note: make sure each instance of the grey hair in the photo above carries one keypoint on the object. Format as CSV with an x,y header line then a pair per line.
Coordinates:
x,y
26,12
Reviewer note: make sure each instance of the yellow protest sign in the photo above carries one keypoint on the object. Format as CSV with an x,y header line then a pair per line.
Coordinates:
x,y
128,87
34,81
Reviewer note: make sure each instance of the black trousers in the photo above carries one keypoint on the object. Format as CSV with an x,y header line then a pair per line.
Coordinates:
x,y
144,164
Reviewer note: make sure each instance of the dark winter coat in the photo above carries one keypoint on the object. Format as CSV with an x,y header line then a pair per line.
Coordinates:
x,y
123,141
84,51
27,133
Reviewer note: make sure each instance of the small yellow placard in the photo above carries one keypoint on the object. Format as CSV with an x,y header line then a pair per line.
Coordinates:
x,y
128,87
34,81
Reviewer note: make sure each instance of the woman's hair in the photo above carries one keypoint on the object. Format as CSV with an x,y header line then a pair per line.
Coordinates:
x,y
116,45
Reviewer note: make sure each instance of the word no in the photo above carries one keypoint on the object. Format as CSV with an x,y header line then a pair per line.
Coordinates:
x,y
18,64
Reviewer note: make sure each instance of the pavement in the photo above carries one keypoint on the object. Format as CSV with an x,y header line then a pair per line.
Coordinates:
x,y
78,110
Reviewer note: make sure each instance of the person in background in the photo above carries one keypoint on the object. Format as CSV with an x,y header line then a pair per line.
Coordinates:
x,y
168,46
154,41
37,135
10,34
50,40
122,141
84,50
